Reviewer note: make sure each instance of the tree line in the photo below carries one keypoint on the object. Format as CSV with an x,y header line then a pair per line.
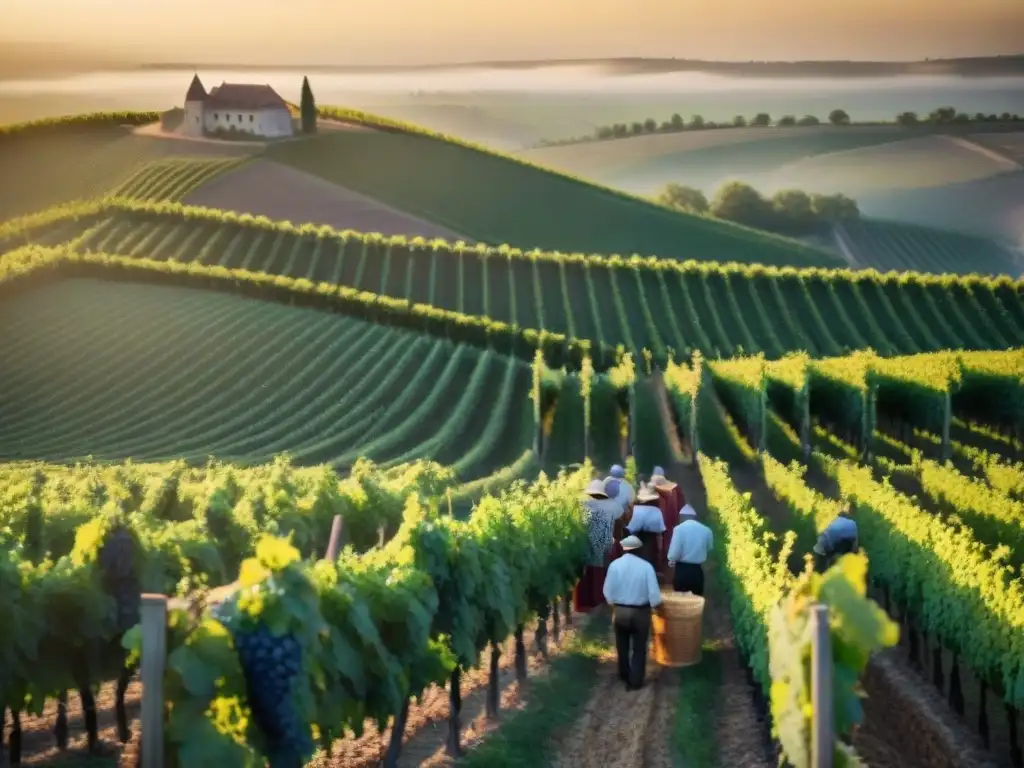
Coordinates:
x,y
837,117
788,211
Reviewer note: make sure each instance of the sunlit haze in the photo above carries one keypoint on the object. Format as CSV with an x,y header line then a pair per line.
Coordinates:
x,y
418,31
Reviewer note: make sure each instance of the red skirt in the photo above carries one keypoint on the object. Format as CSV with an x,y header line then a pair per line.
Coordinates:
x,y
589,592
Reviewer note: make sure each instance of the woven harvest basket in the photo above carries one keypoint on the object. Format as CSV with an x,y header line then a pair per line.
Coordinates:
x,y
678,629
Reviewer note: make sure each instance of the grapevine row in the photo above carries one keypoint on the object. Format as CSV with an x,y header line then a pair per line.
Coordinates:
x,y
639,303
195,374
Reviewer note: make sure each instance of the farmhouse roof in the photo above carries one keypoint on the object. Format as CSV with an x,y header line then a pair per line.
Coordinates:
x,y
244,96
196,92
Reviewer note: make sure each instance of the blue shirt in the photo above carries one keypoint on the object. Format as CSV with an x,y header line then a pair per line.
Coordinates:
x,y
842,528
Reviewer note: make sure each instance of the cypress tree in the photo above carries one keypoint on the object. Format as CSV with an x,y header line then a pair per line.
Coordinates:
x,y
307,108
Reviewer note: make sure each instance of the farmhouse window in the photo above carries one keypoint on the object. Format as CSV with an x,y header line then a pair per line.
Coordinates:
x,y
227,118
216,116
250,118
239,118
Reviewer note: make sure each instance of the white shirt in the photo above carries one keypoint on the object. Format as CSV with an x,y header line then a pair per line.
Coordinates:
x,y
631,581
646,518
691,542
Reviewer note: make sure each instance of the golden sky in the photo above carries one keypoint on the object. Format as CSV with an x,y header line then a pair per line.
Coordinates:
x,y
423,31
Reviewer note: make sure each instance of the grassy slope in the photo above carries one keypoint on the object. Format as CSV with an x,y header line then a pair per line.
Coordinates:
x,y
494,199
41,168
116,370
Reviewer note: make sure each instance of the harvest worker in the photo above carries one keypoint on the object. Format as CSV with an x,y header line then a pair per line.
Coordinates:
x,y
632,589
691,542
838,538
599,512
619,489
670,501
648,525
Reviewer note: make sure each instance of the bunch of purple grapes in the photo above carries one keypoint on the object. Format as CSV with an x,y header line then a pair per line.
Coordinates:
x,y
270,664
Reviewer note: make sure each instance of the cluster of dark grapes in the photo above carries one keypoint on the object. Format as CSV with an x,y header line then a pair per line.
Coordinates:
x,y
120,580
270,664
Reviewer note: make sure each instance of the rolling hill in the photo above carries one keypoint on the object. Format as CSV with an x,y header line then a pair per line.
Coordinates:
x,y
890,245
656,304
112,370
495,199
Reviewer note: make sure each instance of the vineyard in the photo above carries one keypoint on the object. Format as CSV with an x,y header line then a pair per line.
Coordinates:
x,y
496,199
894,246
82,161
260,380
658,305
194,402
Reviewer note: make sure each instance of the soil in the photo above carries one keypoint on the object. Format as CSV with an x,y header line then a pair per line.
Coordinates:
x,y
426,728
281,193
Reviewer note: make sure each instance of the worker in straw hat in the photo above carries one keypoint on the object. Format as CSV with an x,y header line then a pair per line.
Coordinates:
x,y
670,502
619,489
600,514
691,543
631,588
648,525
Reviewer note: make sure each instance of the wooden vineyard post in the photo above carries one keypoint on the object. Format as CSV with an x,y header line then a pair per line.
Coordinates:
x,y
805,419
154,651
822,737
334,544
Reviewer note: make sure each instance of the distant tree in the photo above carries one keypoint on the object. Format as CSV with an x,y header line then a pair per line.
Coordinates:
x,y
793,210
834,207
637,128
307,108
683,198
808,120
838,117
740,202
761,119
739,121
961,117
908,119
696,122
650,125
619,130
787,120
677,122
979,117
1006,117
605,132
942,115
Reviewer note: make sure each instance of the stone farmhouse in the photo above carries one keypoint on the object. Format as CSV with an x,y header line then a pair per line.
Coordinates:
x,y
230,107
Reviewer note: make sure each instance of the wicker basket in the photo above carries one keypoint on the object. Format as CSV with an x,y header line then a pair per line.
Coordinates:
x,y
678,629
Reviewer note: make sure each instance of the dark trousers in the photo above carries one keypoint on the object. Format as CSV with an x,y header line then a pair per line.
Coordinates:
x,y
632,630
689,577
842,547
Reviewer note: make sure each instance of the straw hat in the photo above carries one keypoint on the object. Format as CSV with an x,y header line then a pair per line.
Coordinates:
x,y
630,543
646,493
617,472
596,490
660,482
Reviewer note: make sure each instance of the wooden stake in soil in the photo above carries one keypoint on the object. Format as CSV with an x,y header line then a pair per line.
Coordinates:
x,y
154,650
556,622
334,544
823,743
568,609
